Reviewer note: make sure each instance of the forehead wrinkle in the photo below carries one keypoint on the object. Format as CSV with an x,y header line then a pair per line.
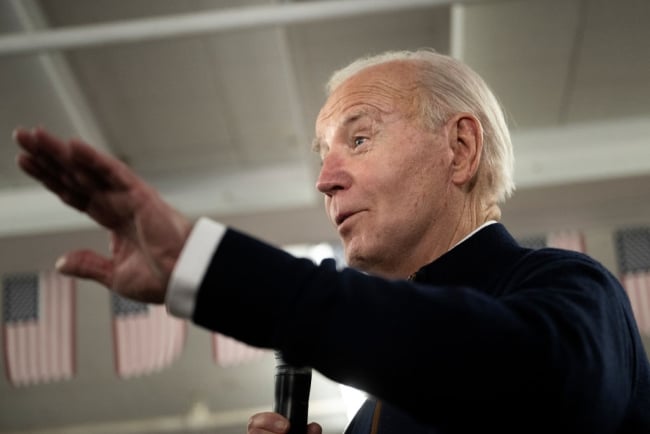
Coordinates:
x,y
356,116
371,95
355,105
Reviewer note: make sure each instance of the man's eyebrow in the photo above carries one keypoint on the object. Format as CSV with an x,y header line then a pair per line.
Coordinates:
x,y
317,144
355,116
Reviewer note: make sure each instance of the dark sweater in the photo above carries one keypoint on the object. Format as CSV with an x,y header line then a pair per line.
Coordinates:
x,y
491,337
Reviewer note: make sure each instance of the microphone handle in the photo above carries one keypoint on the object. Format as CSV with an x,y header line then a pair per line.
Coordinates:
x,y
292,386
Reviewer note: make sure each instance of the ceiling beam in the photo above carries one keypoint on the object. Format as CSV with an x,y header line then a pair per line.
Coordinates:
x,y
457,31
574,62
582,152
296,106
204,22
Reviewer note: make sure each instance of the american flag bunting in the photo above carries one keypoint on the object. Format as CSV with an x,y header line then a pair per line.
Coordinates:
x,y
146,338
38,327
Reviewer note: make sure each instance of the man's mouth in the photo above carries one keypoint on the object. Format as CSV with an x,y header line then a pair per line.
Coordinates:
x,y
340,218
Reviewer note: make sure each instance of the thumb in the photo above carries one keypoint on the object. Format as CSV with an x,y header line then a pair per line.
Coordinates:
x,y
314,428
87,265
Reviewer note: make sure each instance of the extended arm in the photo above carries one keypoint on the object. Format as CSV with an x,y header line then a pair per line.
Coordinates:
x,y
549,344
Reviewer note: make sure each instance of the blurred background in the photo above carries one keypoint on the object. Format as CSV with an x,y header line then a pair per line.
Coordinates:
x,y
213,102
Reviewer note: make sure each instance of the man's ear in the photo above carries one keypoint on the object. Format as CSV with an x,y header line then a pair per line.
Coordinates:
x,y
466,140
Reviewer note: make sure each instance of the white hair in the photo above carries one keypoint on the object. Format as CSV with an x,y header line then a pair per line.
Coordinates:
x,y
449,86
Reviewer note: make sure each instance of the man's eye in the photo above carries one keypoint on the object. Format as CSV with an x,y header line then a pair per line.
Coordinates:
x,y
358,141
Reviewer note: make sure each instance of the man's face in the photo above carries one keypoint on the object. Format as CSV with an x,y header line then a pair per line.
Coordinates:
x,y
385,176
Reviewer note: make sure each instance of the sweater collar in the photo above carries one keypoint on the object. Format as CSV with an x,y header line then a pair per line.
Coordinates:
x,y
476,261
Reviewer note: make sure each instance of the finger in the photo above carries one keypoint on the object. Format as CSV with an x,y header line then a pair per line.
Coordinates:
x,y
27,138
268,422
76,172
78,163
105,171
18,133
57,182
87,264
51,152
314,428
46,159
107,189
40,143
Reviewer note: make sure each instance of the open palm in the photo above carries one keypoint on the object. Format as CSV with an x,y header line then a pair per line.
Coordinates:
x,y
146,234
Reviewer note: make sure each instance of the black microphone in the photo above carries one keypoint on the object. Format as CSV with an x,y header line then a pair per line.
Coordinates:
x,y
292,385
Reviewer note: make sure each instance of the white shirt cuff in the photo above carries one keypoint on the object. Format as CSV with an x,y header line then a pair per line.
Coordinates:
x,y
191,266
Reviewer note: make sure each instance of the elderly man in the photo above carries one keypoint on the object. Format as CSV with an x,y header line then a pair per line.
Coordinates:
x,y
451,328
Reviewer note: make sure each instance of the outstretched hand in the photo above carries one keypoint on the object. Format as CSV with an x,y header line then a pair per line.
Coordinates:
x,y
146,233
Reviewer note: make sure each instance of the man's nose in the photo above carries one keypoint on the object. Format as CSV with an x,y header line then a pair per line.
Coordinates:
x,y
333,175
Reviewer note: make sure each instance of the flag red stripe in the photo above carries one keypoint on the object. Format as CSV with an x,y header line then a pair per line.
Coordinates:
x,y
44,331
11,354
66,320
72,318
32,352
48,302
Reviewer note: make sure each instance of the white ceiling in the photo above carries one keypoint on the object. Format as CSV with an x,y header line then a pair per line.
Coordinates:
x,y
213,101
221,120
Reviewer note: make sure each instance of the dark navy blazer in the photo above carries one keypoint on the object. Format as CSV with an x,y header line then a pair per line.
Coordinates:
x,y
490,337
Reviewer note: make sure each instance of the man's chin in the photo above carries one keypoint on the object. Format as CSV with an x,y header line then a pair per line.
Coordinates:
x,y
360,261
